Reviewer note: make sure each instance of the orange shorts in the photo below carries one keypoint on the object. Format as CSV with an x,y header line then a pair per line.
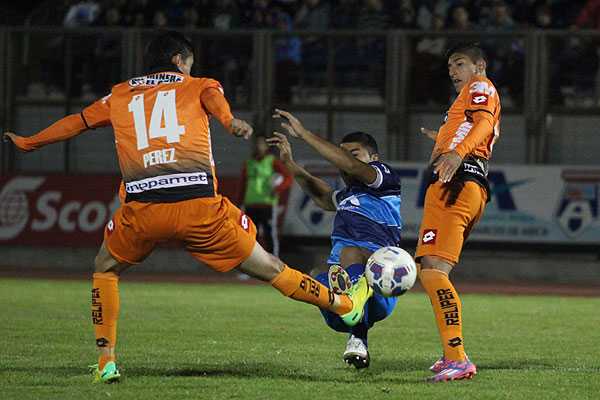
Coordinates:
x,y
212,229
444,229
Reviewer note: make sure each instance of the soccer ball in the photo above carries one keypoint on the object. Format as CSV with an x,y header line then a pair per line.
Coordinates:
x,y
391,271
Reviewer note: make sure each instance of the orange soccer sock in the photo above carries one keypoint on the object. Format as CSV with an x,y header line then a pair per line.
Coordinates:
x,y
298,286
105,312
447,309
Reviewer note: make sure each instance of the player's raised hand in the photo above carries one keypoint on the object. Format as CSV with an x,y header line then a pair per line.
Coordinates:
x,y
446,166
241,128
280,141
431,134
18,141
291,124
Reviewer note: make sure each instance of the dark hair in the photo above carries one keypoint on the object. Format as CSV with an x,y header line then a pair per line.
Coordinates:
x,y
471,50
363,138
162,48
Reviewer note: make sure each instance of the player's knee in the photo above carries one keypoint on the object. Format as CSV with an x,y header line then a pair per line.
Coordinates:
x,y
435,263
104,262
274,266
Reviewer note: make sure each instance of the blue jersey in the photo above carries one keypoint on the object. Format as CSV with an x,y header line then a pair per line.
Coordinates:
x,y
368,216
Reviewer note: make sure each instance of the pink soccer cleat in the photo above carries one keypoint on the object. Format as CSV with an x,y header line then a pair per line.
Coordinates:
x,y
455,370
441,364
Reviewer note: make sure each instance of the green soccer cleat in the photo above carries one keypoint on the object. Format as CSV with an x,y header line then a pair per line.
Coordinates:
x,y
109,374
359,293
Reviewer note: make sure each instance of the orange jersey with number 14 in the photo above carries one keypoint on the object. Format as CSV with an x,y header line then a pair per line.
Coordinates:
x,y
478,99
162,135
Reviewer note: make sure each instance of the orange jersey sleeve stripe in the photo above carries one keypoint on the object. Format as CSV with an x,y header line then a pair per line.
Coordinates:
x,y
483,124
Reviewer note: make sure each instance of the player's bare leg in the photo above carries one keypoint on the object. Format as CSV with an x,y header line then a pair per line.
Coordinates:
x,y
298,286
447,309
105,313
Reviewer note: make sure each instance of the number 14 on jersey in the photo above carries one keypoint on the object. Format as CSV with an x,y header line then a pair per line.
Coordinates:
x,y
163,119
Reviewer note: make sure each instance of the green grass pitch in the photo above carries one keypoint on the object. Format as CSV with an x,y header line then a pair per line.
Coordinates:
x,y
180,341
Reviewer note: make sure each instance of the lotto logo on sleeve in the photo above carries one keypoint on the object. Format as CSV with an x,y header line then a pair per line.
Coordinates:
x,y
479,99
429,236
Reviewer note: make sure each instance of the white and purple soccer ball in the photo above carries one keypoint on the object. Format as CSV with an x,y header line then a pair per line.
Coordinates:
x,y
391,271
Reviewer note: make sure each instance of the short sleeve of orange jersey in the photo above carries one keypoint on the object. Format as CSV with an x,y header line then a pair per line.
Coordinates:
x,y
98,113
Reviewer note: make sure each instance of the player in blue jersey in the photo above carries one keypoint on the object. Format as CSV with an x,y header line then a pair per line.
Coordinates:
x,y
367,218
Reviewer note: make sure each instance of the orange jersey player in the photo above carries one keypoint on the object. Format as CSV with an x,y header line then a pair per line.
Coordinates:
x,y
162,136
455,199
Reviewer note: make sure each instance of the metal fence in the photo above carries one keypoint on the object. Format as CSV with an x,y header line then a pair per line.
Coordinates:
x,y
396,75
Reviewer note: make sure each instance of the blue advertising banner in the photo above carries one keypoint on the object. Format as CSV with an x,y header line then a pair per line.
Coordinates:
x,y
536,204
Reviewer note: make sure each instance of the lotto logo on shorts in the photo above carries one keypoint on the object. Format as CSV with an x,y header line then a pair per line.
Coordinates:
x,y
110,227
429,236
245,222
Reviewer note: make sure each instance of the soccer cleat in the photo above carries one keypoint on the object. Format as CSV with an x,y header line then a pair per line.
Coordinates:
x,y
356,353
339,280
109,374
359,293
454,371
441,364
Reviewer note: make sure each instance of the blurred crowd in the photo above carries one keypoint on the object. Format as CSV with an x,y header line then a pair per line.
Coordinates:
x,y
321,14
302,59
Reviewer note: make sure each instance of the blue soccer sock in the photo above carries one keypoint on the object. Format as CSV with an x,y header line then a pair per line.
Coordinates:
x,y
360,331
355,271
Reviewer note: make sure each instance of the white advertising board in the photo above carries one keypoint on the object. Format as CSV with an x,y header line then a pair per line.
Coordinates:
x,y
536,204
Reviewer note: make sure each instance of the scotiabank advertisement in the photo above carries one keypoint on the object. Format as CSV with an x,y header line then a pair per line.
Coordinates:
x,y
65,210
56,210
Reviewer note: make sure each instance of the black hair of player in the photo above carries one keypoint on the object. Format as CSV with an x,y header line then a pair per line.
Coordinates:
x,y
471,50
363,138
161,49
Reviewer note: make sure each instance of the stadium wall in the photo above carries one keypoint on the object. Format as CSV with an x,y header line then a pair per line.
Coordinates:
x,y
572,140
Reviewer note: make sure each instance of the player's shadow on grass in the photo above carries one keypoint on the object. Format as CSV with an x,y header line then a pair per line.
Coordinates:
x,y
378,372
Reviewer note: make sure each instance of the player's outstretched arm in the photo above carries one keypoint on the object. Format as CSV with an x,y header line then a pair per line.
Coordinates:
x,y
339,157
316,188
64,129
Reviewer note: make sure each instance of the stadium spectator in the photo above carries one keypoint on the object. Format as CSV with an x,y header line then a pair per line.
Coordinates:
x,y
370,56
83,13
373,16
288,56
159,20
226,15
428,10
404,15
589,16
507,64
313,15
345,14
501,19
459,19
262,16
431,83
191,18
107,54
264,179
138,13
543,17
